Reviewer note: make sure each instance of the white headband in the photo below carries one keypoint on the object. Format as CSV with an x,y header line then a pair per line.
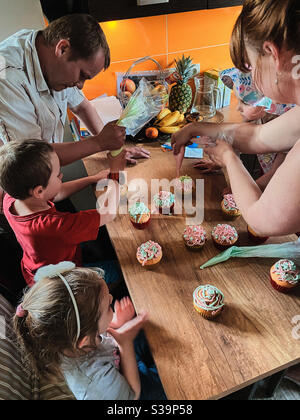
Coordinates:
x,y
57,270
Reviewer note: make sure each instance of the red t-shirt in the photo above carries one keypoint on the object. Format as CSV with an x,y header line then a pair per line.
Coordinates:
x,y
49,237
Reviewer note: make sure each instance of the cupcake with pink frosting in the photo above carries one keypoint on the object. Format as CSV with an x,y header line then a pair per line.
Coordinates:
x,y
149,254
224,236
194,237
229,208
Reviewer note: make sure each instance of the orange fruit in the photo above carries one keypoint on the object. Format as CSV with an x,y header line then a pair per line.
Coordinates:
x,y
128,85
151,133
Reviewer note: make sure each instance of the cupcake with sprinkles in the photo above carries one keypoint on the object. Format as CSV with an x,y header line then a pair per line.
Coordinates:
x,y
284,276
229,208
208,301
149,254
224,236
194,237
254,237
165,202
139,215
184,184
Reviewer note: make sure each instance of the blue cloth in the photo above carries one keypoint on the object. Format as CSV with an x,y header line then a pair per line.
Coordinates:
x,y
151,386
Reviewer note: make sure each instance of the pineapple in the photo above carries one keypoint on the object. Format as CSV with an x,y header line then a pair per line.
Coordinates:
x,y
181,94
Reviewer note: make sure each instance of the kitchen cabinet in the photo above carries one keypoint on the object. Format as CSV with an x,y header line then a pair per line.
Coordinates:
x,y
106,10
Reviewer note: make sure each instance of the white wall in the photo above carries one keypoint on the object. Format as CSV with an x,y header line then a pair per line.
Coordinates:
x,y
19,14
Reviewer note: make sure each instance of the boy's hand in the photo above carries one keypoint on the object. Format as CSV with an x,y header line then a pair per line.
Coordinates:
x,y
117,163
100,175
129,330
124,312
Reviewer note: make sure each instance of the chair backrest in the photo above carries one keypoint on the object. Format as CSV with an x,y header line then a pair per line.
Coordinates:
x,y
15,382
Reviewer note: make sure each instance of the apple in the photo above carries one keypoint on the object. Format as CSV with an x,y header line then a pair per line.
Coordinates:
x,y
128,85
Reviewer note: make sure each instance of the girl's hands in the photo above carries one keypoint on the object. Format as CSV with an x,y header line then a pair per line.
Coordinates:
x,y
220,153
133,153
123,312
128,331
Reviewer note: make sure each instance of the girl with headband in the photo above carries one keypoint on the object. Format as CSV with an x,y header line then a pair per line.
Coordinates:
x,y
66,327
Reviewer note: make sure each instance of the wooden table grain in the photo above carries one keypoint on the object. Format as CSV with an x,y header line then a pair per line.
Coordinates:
x,y
199,359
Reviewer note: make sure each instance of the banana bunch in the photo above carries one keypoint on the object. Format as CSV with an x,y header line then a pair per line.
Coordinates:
x,y
169,122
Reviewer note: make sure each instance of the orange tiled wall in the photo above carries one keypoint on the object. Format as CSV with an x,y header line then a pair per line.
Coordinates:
x,y
203,34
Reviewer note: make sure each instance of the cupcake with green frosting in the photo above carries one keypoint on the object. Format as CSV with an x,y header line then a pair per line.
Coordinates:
x,y
139,215
285,276
208,301
184,184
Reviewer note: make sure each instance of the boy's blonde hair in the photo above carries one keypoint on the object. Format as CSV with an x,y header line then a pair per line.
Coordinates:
x,y
49,327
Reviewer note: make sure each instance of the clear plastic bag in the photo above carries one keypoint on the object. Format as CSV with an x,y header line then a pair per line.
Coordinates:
x,y
146,102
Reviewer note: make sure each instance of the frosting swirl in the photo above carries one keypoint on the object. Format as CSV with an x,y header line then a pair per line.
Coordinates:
x,y
137,211
224,234
164,199
148,251
287,271
194,235
208,297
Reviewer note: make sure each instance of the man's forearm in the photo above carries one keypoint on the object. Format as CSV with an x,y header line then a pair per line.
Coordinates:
x,y
72,151
89,117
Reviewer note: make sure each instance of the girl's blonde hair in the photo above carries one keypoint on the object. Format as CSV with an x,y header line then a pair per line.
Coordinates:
x,y
277,21
49,326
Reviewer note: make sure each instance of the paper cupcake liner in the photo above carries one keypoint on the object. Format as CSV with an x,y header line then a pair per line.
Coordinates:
x,y
208,314
280,289
171,211
194,247
221,247
257,239
141,226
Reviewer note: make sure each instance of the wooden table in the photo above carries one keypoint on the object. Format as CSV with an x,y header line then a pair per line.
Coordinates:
x,y
196,358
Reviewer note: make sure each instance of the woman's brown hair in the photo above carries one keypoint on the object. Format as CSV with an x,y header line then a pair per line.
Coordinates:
x,y
277,21
49,326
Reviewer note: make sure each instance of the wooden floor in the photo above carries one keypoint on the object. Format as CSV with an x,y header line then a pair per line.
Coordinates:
x,y
287,390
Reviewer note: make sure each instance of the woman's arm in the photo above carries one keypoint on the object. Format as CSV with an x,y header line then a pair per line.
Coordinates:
x,y
275,212
278,135
263,181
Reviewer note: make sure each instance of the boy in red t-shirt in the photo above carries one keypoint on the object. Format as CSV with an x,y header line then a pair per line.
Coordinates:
x,y
31,177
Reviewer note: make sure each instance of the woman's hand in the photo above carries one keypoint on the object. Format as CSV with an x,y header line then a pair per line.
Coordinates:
x,y
123,312
207,166
220,153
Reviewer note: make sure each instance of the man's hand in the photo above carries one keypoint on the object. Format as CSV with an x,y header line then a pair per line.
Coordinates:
x,y
133,153
112,137
123,312
220,153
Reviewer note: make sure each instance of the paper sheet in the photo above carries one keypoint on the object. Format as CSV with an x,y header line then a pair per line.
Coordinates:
x,y
193,153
